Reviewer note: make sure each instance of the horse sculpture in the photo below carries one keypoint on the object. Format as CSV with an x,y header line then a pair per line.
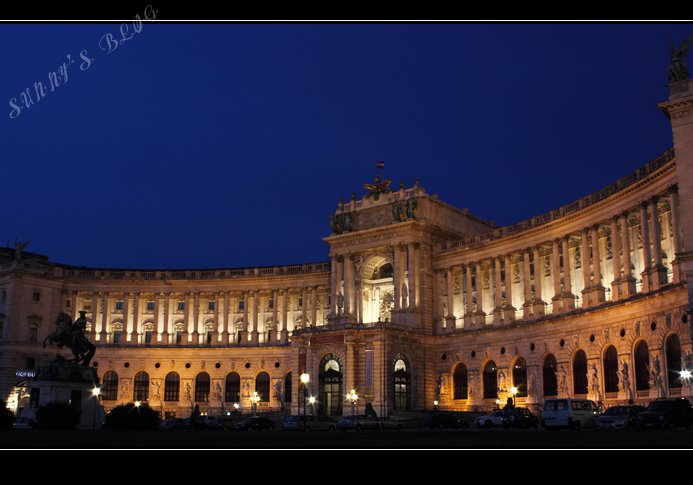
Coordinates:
x,y
71,335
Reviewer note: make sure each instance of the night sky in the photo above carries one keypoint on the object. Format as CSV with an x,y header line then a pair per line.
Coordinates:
x,y
228,145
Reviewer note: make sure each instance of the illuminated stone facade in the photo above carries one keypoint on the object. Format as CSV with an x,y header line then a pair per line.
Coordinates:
x,y
420,301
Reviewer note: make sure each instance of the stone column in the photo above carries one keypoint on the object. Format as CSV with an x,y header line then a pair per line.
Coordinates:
x,y
104,319
627,280
556,273
469,315
166,323
597,295
439,288
314,306
75,306
348,288
498,285
359,303
196,319
127,323
224,338
676,231
480,315
285,315
450,321
136,320
567,282
538,304
508,309
659,272
586,273
334,289
397,277
255,334
527,278
304,306
94,315
615,259
413,288
646,254
247,327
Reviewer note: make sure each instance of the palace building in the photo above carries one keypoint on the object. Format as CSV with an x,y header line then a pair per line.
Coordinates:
x,y
420,302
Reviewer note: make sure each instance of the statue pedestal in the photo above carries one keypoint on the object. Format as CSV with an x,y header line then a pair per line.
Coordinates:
x,y
67,383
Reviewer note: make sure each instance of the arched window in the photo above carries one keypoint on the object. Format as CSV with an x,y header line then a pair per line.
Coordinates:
x,y
262,386
400,379
490,380
142,386
642,364
148,333
109,388
233,387
580,373
288,387
460,381
179,331
117,329
330,386
172,387
611,370
673,350
209,333
520,377
549,376
202,387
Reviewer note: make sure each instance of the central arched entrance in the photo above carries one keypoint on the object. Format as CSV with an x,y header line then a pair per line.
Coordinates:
x,y
377,298
331,395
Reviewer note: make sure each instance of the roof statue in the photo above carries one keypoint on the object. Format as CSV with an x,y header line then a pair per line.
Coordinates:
x,y
678,71
377,187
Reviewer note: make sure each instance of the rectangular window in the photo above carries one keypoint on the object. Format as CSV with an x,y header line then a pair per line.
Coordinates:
x,y
179,338
117,336
148,337
37,296
300,302
270,304
33,333
31,363
119,305
241,305
150,306
181,306
210,336
211,306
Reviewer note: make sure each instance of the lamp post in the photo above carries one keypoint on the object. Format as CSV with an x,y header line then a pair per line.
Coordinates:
x,y
686,376
254,399
353,397
96,392
305,379
513,391
311,401
435,406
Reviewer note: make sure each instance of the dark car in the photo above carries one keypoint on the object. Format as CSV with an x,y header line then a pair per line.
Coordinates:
x,y
666,413
254,424
440,421
519,418
619,417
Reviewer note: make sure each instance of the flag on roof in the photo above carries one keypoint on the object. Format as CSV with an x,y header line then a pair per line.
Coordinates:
x,y
380,165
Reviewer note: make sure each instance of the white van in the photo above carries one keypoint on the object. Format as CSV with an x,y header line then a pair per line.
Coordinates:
x,y
569,413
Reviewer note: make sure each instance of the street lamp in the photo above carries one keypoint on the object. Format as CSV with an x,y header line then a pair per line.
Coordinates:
x,y
513,391
254,399
137,404
353,397
435,405
311,401
305,379
96,392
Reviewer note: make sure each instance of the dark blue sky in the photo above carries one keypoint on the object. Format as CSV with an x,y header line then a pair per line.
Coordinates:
x,y
228,145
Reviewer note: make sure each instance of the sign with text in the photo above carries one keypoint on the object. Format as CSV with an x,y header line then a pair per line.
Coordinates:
x,y
25,374
327,339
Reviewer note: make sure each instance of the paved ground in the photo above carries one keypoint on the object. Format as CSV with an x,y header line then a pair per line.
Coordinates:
x,y
478,439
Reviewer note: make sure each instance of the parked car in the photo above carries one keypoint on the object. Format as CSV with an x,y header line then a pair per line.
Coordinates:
x,y
494,418
23,423
388,423
173,423
519,418
666,413
358,422
443,420
255,424
619,417
573,414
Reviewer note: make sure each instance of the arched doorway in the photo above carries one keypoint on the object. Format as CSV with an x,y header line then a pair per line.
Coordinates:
x,y
490,380
401,382
673,351
520,377
580,383
549,376
377,290
460,382
330,386
611,370
642,364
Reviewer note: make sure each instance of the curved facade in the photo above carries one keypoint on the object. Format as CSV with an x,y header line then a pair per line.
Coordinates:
x,y
420,302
